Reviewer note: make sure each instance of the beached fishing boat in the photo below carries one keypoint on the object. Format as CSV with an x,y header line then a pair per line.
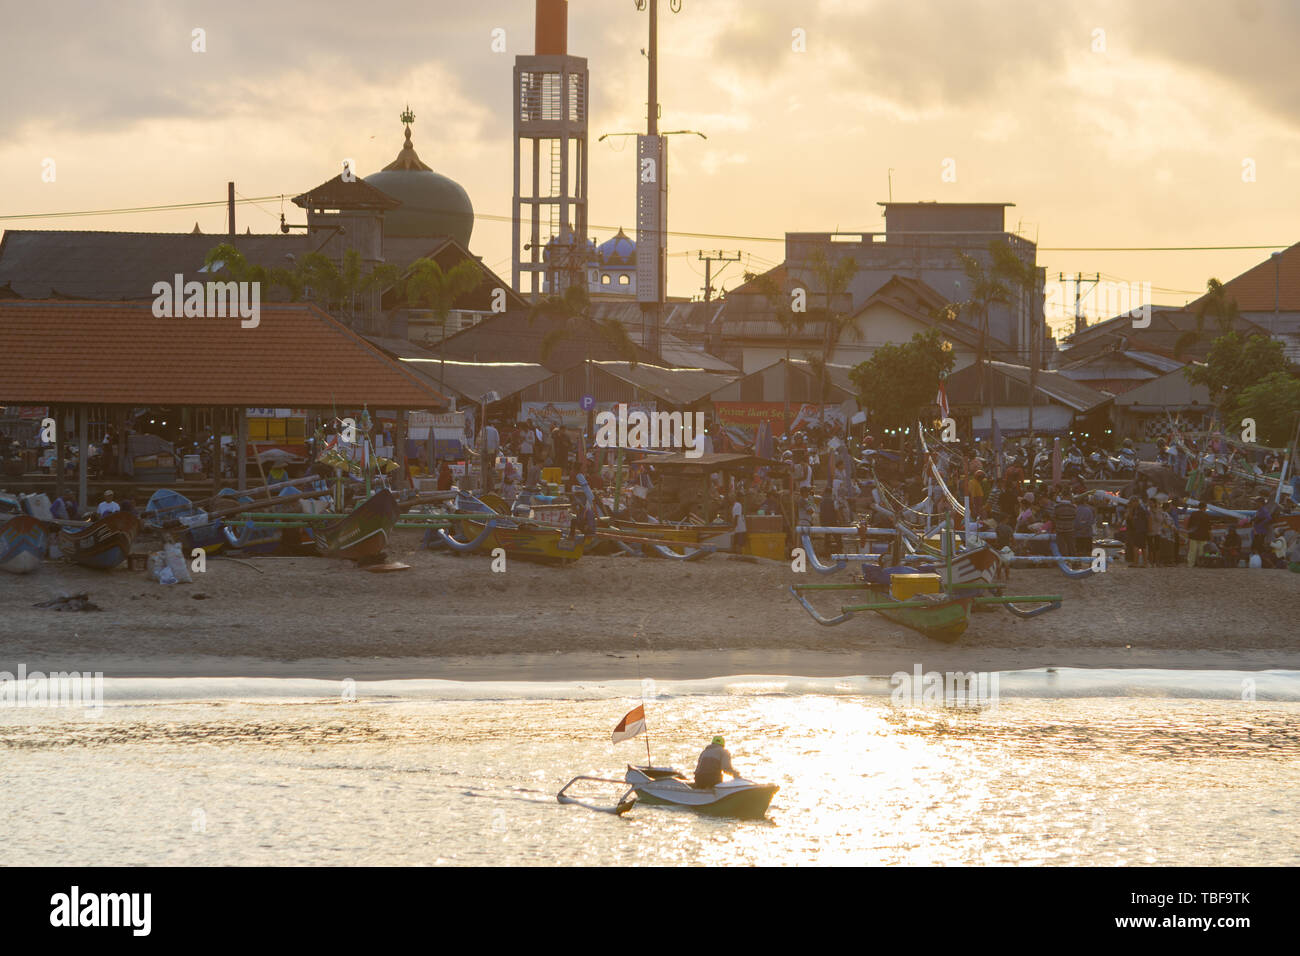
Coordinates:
x,y
923,605
519,539
931,602
23,543
362,534
104,543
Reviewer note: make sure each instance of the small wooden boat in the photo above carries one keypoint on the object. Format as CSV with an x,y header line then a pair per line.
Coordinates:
x,y
942,616
104,543
665,787
362,534
520,539
23,543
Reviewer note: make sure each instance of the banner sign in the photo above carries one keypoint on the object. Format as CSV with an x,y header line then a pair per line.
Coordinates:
x,y
447,426
748,415
571,415
275,412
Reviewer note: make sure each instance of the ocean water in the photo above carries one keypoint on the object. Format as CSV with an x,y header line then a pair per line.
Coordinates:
x,y
1069,767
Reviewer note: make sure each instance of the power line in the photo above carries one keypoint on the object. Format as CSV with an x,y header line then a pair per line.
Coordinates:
x,y
170,207
489,217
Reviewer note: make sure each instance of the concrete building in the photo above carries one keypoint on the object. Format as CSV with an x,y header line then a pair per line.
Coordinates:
x,y
924,242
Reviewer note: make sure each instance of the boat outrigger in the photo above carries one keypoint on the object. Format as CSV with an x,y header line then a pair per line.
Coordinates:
x,y
935,601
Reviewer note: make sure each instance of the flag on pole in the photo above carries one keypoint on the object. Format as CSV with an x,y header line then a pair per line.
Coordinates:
x,y
633,723
942,401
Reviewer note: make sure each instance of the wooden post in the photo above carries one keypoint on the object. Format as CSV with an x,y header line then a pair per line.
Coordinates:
x,y
241,448
58,413
83,454
216,453
399,439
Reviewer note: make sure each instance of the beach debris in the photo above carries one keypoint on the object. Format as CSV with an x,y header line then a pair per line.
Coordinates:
x,y
168,566
200,596
385,567
70,602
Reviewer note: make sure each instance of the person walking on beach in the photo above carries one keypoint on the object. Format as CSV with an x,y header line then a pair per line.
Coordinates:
x,y
714,761
1198,534
1135,533
1084,517
527,438
1063,518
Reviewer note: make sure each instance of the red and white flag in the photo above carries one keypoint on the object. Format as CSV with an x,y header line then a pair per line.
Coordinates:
x,y
633,723
942,401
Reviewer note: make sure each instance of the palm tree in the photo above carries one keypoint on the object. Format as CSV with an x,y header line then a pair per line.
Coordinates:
x,y
570,315
232,260
427,284
986,289
833,278
791,322
1023,276
1218,305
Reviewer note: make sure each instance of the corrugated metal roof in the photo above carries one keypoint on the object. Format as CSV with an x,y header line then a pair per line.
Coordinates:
x,y
470,380
1078,396
678,386
120,353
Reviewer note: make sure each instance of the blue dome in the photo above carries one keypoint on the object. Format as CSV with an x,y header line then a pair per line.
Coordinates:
x,y
619,250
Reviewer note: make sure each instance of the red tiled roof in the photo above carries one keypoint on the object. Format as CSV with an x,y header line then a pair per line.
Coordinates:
x,y
1258,288
115,353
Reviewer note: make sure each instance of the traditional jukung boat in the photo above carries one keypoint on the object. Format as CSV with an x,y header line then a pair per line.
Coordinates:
x,y
104,543
362,534
23,543
519,539
666,787
934,604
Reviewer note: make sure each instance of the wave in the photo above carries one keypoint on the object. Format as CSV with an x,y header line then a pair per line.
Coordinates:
x,y
1039,683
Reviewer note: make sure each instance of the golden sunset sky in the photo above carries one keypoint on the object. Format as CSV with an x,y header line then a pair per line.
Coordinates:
x,y
1108,124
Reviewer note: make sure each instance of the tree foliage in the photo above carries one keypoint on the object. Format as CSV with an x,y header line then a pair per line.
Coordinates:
x,y
899,381
1274,403
1216,305
1234,364
570,316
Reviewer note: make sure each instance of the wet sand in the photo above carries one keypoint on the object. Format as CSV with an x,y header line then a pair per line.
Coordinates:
x,y
451,617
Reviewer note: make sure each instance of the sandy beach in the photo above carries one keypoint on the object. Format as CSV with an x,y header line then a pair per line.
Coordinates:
x,y
451,617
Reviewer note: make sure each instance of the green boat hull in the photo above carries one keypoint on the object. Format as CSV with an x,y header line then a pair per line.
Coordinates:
x,y
944,620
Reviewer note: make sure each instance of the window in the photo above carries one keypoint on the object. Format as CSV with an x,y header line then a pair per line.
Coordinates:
x,y
623,279
604,280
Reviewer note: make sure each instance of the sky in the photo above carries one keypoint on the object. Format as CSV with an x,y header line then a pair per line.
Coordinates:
x,y
1107,124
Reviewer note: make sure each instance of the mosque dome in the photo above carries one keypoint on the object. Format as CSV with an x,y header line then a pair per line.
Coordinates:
x,y
618,250
432,204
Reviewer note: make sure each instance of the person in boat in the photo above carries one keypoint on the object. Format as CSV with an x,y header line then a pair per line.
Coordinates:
x,y
277,475
714,761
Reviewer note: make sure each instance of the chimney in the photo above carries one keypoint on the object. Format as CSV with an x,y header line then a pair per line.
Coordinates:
x,y
552,34
230,207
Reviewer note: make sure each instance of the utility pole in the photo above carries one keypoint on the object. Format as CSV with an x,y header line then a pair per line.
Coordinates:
x,y
652,197
708,261
1080,323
